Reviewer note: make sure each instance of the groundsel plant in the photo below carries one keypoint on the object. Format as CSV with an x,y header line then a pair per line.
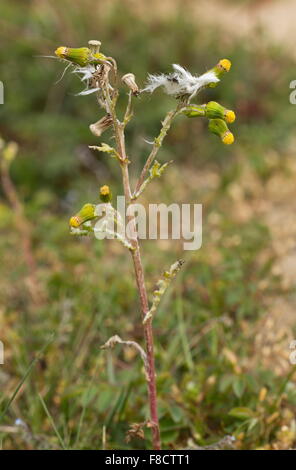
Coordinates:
x,y
99,75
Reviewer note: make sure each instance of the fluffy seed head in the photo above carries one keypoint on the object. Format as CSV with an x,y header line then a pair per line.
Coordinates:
x,y
181,82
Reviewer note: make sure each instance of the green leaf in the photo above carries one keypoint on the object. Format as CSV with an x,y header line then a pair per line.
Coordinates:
x,y
252,424
241,413
176,413
238,387
225,382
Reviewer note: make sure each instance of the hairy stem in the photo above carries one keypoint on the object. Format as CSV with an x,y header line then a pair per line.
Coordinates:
x,y
148,332
140,279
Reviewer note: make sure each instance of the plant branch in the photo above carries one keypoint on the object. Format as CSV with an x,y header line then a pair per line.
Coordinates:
x,y
166,124
117,340
128,112
155,172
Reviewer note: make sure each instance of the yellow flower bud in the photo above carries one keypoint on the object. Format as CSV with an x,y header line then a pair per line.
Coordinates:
x,y
87,212
219,127
80,55
74,221
105,193
229,116
225,64
214,110
61,52
228,138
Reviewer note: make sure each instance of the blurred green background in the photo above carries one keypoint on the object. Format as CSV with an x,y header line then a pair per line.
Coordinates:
x,y
223,330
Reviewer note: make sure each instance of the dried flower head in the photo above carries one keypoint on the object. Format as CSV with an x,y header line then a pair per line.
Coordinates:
x,y
94,46
100,126
130,81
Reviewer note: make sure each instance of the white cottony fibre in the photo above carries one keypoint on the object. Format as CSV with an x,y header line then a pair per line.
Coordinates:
x,y
180,82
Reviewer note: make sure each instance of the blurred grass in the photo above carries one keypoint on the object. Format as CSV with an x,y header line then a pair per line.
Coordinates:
x,y
206,358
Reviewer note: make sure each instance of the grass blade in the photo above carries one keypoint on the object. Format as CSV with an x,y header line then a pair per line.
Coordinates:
x,y
26,375
52,422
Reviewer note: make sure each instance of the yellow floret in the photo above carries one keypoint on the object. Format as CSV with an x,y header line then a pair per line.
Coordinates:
x,y
226,64
74,221
230,116
61,52
228,138
105,190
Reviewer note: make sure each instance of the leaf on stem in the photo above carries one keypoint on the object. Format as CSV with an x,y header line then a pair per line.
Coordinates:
x,y
162,286
155,172
106,149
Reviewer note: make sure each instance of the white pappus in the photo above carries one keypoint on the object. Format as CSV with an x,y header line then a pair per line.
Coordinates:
x,y
180,82
86,73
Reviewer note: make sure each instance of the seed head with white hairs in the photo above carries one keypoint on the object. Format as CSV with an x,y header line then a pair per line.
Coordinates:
x,y
180,82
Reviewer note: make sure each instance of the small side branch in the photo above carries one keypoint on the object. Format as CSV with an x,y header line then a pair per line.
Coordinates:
x,y
117,340
162,286
154,172
166,124
128,112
